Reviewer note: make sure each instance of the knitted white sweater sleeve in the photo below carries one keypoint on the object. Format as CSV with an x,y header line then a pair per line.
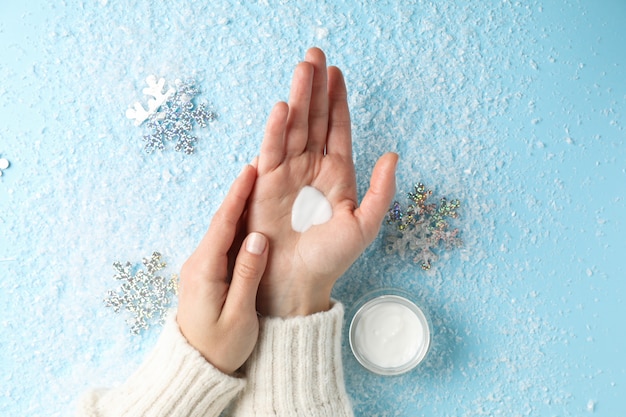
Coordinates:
x,y
296,369
174,380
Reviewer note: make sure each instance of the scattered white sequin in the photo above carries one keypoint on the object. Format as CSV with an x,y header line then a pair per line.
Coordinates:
x,y
154,89
4,164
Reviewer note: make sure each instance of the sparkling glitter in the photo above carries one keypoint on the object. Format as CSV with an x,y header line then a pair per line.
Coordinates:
x,y
422,228
145,295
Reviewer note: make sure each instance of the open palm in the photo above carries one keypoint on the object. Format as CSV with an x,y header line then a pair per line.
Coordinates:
x,y
309,142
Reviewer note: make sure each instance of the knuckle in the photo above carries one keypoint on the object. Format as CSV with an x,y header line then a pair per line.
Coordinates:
x,y
247,270
191,276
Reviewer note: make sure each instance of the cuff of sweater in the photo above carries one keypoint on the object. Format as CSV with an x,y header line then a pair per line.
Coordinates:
x,y
174,380
296,368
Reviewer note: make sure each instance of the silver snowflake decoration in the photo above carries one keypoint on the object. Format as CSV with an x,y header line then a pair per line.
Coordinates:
x,y
144,294
171,116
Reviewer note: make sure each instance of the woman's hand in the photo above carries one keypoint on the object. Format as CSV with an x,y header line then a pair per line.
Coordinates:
x,y
218,284
309,142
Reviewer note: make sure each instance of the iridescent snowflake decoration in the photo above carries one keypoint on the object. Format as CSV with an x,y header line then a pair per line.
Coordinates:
x,y
171,116
422,229
145,295
4,164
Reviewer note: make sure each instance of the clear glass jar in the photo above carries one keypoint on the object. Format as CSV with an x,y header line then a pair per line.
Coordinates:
x,y
389,334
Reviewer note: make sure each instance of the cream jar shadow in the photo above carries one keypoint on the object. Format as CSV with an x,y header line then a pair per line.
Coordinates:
x,y
389,334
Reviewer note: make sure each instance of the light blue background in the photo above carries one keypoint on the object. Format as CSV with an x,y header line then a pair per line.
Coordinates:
x,y
516,108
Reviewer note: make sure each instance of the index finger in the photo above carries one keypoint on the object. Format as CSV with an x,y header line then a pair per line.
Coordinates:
x,y
221,234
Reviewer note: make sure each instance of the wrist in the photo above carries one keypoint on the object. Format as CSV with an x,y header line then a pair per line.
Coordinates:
x,y
293,305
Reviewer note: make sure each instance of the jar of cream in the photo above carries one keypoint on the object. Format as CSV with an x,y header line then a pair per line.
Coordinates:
x,y
389,334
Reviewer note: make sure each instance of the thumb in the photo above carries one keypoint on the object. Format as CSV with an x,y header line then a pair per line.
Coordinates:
x,y
249,268
376,201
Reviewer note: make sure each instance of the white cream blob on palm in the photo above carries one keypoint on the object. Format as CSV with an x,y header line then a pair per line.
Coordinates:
x,y
310,208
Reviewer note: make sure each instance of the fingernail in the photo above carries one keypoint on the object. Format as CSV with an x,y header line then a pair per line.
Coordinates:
x,y
256,243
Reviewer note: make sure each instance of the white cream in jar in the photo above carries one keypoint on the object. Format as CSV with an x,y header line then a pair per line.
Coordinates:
x,y
389,335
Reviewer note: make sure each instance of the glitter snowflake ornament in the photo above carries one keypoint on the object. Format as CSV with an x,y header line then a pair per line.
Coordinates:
x,y
422,228
144,295
171,116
